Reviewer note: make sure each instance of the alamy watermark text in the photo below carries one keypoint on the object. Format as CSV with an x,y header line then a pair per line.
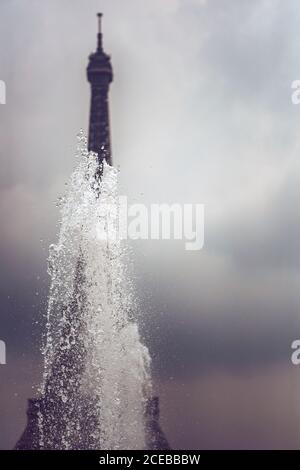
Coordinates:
x,y
2,352
2,92
156,222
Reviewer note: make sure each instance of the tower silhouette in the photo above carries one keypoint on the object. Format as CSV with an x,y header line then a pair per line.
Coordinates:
x,y
100,76
66,368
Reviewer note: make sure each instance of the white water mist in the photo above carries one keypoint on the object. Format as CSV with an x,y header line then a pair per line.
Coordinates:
x,y
96,377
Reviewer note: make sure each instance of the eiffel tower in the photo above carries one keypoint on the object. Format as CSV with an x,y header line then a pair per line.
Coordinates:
x,y
100,76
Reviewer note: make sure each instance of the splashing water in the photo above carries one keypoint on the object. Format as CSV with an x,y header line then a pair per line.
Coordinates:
x,y
96,377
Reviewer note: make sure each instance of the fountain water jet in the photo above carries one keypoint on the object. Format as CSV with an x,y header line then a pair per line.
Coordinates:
x,y
96,368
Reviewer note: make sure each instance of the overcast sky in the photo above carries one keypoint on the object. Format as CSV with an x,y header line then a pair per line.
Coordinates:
x,y
200,112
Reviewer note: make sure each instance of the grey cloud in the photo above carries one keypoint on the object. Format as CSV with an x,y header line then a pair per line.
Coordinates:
x,y
200,111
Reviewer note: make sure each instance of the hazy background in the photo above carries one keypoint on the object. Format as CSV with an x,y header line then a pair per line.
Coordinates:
x,y
200,112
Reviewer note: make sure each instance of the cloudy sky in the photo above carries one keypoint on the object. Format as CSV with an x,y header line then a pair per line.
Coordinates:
x,y
200,112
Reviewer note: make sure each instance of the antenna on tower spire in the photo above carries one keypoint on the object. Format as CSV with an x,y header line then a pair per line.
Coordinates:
x,y
99,22
99,31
